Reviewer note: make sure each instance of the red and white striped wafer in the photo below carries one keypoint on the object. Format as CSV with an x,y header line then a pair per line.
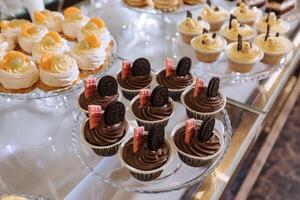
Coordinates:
x,y
199,86
90,87
126,68
95,115
138,138
169,66
144,97
189,130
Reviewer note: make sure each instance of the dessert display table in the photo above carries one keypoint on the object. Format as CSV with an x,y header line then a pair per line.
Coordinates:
x,y
36,148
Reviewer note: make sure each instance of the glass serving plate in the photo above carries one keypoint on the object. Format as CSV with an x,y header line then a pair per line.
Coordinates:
x,y
40,94
153,11
28,196
220,67
176,176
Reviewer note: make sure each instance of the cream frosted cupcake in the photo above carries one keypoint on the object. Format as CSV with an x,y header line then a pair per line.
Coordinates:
x,y
5,45
274,46
276,24
95,26
137,3
208,46
193,2
58,70
73,22
167,5
89,53
215,16
233,29
246,14
51,43
17,71
12,29
49,19
242,56
190,28
30,35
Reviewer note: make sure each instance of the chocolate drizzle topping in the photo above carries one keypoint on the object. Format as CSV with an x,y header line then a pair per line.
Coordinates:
x,y
189,14
205,131
268,32
240,43
232,17
208,2
204,31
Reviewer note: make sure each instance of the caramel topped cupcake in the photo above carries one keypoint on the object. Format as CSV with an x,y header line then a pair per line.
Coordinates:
x,y
51,20
208,46
243,55
176,80
215,15
198,143
276,24
12,29
275,46
233,29
246,14
132,79
190,28
137,3
167,5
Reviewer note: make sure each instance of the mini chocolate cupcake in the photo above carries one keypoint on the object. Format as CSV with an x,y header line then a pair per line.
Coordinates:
x,y
202,102
104,132
146,156
132,79
155,109
176,80
197,143
102,94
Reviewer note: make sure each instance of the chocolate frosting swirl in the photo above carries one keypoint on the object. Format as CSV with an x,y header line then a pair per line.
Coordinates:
x,y
96,99
195,147
173,81
203,103
134,82
151,113
103,134
145,159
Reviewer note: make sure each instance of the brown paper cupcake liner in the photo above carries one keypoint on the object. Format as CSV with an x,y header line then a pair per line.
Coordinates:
x,y
272,59
148,126
175,95
215,26
106,152
240,67
129,95
207,57
193,2
193,162
195,115
186,38
146,177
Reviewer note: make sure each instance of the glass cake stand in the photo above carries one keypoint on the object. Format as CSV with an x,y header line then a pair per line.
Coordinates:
x,y
28,196
176,176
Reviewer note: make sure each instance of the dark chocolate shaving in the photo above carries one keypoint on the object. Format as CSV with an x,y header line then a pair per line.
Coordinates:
x,y
208,2
240,43
232,17
277,34
204,31
242,25
189,14
268,16
268,32
199,18
216,8
214,35
206,129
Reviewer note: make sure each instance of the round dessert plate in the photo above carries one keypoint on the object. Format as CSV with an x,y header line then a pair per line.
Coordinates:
x,y
175,176
220,67
41,94
151,10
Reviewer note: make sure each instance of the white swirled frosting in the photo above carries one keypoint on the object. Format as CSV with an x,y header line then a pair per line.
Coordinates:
x,y
51,20
17,71
58,70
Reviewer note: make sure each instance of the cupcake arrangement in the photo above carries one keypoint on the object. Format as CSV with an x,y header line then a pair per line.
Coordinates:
x,y
162,5
216,30
145,150
54,52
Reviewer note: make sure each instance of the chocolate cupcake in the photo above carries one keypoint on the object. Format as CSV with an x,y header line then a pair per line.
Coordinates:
x,y
102,94
155,109
132,79
146,156
202,102
105,131
197,143
176,80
